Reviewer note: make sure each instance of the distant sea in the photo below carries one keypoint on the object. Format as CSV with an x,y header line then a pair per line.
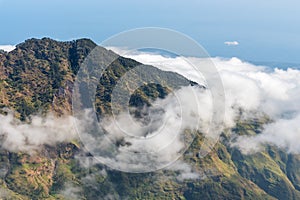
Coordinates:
x,y
280,65
273,65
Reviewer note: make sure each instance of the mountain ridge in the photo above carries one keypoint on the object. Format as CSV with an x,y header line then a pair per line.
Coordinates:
x,y
38,76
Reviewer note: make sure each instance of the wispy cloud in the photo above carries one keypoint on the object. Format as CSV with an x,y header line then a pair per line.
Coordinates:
x,y
231,43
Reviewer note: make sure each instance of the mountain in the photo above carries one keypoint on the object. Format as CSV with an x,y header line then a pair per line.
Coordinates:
x,y
38,76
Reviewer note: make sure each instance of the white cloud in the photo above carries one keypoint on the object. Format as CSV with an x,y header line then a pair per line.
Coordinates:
x,y
28,137
284,133
231,43
251,88
186,171
7,48
255,90
157,144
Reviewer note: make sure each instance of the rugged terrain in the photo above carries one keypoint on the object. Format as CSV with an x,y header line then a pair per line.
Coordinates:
x,y
38,76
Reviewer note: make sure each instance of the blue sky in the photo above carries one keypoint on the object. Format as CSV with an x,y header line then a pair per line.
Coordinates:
x,y
265,30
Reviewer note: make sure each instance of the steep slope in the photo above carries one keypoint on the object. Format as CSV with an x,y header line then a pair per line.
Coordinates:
x,y
38,76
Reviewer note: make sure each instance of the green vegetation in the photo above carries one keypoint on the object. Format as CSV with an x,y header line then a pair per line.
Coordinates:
x,y
37,77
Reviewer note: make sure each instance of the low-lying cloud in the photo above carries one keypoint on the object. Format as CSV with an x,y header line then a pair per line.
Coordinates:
x,y
137,147
251,92
28,137
283,133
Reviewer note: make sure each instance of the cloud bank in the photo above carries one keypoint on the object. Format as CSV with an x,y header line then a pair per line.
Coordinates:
x,y
251,92
7,48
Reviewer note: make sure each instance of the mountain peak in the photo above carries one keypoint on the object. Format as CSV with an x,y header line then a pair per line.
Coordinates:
x,y
35,43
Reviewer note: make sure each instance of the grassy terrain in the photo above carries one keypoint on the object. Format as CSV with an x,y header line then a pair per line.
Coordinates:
x,y
38,76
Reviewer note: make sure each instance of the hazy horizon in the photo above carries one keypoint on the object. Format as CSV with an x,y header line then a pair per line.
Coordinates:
x,y
252,31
